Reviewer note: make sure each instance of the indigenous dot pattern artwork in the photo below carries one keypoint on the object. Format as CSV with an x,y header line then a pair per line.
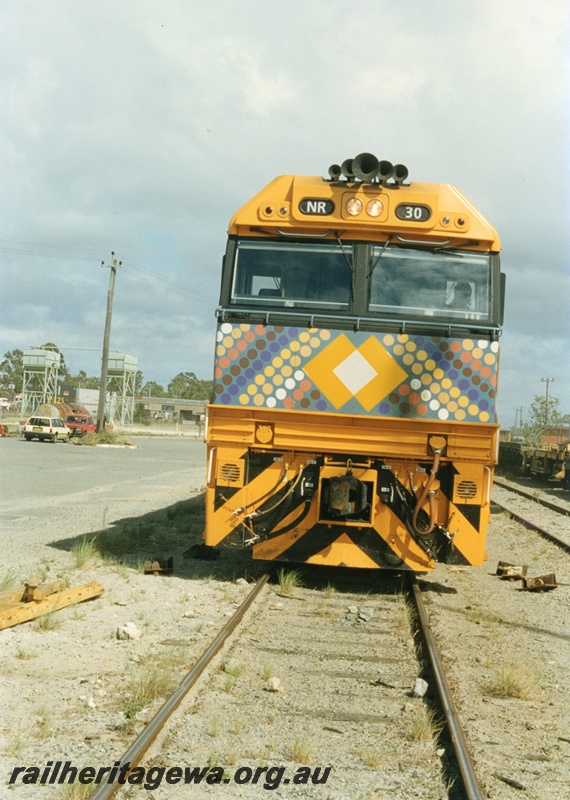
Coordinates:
x,y
312,369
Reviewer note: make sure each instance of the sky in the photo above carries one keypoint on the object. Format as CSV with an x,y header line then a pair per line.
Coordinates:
x,y
140,127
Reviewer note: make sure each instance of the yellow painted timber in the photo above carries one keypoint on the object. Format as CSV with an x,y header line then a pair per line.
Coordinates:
x,y
27,611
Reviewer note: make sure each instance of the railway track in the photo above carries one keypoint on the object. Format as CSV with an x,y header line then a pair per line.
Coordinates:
x,y
534,495
536,511
321,678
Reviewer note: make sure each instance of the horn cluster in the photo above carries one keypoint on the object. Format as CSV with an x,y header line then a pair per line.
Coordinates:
x,y
366,168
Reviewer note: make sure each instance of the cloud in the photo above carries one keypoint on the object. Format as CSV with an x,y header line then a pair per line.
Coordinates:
x,y
141,127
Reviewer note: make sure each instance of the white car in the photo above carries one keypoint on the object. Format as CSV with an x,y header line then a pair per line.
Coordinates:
x,y
5,403
46,428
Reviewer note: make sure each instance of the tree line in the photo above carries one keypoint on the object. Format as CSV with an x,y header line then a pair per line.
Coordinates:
x,y
184,385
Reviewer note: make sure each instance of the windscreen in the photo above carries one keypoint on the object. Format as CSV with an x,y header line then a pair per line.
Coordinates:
x,y
444,283
291,275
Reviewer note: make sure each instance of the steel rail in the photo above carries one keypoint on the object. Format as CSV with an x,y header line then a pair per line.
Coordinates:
x,y
537,498
534,526
470,782
147,736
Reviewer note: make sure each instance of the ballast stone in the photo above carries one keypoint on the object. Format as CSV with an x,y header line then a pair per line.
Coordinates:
x,y
129,631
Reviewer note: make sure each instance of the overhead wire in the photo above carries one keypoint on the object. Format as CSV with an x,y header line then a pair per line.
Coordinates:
x,y
130,265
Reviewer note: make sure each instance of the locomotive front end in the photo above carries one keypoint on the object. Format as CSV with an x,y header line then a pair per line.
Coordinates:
x,y
353,416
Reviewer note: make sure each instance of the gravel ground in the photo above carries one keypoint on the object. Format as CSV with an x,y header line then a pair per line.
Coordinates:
x,y
72,691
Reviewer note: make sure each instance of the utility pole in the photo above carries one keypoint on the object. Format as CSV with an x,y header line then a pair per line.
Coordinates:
x,y
547,381
105,357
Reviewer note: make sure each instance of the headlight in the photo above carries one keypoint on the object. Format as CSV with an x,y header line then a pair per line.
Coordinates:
x,y
374,208
354,206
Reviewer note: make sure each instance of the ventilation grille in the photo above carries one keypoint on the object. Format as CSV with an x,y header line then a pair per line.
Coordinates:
x,y
230,473
467,490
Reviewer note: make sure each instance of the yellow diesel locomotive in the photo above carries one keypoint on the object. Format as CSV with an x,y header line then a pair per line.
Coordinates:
x,y
353,420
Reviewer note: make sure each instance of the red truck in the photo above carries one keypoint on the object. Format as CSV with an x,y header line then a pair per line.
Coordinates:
x,y
79,424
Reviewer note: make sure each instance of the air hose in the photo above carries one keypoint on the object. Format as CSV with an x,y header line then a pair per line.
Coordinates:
x,y
429,494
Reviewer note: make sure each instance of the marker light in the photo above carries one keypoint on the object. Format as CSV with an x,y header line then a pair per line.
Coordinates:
x,y
374,208
354,206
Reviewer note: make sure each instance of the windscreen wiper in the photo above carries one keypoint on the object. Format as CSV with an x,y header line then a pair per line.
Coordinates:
x,y
373,266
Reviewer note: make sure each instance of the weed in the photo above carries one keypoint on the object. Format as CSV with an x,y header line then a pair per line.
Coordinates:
x,y
131,707
402,617
424,725
15,745
289,580
44,723
8,580
235,670
229,683
83,551
301,750
229,594
267,671
214,727
49,622
24,655
519,681
329,591
154,679
481,617
373,756
238,726
77,791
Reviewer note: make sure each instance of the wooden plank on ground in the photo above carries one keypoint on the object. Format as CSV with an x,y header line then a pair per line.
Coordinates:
x,y
27,611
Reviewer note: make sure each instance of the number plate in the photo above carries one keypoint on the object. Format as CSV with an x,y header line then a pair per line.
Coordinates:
x,y
413,212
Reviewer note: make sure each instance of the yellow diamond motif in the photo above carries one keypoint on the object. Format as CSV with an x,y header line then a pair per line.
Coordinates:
x,y
342,371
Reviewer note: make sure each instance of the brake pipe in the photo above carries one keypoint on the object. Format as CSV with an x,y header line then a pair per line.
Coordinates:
x,y
282,479
289,491
429,494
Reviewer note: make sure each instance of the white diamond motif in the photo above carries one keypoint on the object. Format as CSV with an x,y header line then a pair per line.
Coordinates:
x,y
355,372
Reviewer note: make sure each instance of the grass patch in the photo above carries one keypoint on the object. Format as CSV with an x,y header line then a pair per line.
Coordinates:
x,y
301,750
424,726
373,756
329,591
518,681
24,655
83,551
44,722
482,617
403,616
8,580
105,437
235,670
155,678
77,791
49,622
288,580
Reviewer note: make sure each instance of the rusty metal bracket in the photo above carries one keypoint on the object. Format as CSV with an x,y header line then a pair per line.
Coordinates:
x,y
157,567
511,572
541,584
